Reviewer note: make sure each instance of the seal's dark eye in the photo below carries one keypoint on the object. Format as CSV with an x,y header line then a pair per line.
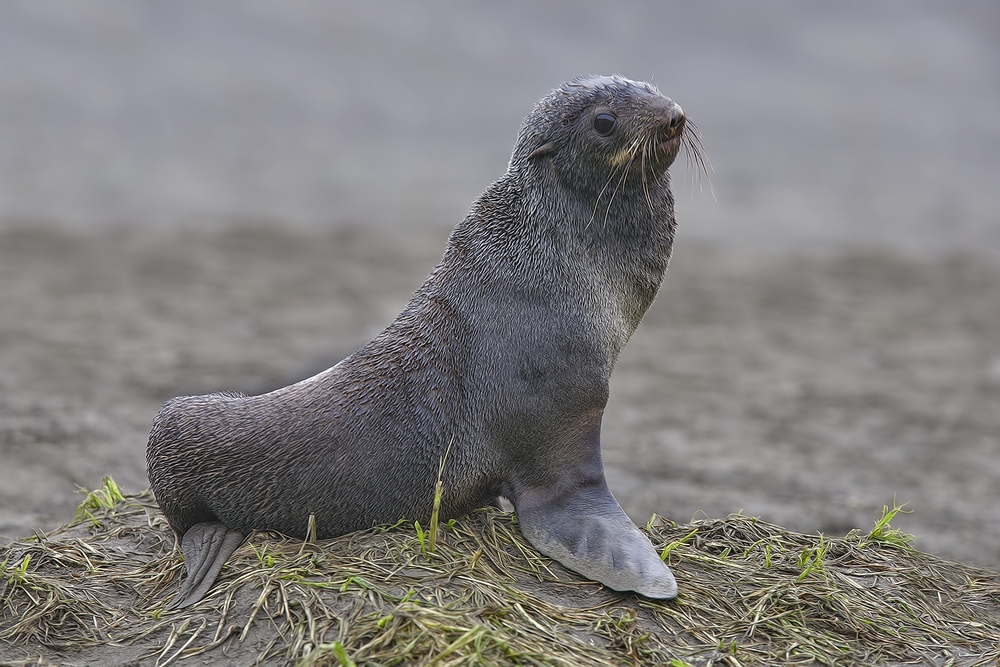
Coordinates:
x,y
604,123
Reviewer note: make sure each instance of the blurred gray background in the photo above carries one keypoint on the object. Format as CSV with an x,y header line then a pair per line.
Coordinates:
x,y
204,195
859,122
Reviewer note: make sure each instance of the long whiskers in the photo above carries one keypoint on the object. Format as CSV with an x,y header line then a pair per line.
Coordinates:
x,y
696,156
644,148
611,177
634,149
647,146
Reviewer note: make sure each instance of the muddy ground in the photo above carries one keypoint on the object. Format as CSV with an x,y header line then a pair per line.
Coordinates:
x,y
808,389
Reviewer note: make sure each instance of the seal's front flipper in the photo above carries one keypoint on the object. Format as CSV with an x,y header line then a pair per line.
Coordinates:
x,y
585,529
206,548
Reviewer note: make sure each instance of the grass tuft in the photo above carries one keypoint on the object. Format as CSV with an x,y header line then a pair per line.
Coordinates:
x,y
811,559
103,498
751,594
432,529
883,532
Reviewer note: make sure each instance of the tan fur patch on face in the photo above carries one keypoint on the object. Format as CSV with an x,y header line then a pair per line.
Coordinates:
x,y
622,157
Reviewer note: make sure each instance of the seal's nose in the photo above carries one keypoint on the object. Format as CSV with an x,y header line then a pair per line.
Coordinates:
x,y
676,116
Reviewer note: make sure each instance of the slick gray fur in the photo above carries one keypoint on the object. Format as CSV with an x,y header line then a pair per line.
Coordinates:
x,y
504,353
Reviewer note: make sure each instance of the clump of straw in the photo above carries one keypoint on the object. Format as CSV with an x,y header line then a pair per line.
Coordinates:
x,y
752,594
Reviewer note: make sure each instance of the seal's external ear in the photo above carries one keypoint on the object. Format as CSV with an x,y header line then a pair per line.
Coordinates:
x,y
544,149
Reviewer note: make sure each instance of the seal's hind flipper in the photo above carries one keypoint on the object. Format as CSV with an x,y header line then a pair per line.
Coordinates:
x,y
586,530
206,548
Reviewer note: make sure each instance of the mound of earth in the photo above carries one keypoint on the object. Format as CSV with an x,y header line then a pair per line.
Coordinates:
x,y
752,593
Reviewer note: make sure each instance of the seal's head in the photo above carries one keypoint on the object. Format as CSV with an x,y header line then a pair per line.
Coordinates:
x,y
596,130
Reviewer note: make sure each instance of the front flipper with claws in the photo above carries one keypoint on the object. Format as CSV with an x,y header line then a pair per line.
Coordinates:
x,y
206,548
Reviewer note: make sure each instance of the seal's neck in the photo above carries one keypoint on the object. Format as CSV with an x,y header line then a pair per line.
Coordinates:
x,y
551,238
625,233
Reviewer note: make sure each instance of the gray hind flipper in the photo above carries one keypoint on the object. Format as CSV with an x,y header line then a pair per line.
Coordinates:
x,y
206,548
586,530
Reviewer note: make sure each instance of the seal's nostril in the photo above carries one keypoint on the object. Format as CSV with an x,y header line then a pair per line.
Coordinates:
x,y
677,116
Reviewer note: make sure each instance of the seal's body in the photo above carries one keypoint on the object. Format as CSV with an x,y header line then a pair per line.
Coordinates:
x,y
502,358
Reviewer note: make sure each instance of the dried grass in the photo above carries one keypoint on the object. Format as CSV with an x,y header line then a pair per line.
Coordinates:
x,y
752,594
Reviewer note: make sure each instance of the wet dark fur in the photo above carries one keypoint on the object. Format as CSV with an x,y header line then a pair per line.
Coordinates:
x,y
504,353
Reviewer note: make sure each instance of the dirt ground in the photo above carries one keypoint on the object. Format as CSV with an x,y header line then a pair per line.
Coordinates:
x,y
808,389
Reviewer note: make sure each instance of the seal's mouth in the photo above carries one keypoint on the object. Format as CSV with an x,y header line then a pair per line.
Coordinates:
x,y
669,137
667,145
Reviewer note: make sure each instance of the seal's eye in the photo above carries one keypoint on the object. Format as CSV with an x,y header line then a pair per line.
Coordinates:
x,y
604,123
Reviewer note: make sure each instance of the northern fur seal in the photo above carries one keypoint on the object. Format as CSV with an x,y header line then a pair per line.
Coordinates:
x,y
504,354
